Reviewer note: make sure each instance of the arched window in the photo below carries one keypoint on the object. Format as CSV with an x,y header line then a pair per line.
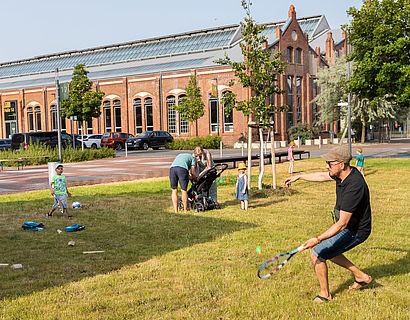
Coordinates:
x,y
138,115
107,116
117,115
149,119
184,127
90,126
298,57
172,115
289,54
30,119
228,119
213,112
298,99
37,112
289,89
53,111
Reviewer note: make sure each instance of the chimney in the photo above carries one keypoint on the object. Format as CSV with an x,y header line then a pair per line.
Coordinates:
x,y
306,36
317,49
329,47
265,45
278,33
292,12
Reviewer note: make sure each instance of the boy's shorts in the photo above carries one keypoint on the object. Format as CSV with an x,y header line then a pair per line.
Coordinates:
x,y
179,174
336,245
62,198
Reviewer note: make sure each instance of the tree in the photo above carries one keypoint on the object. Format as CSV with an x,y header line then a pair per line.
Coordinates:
x,y
82,102
380,38
259,72
191,107
332,83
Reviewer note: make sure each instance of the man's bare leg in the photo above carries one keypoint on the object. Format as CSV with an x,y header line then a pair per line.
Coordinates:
x,y
322,275
358,274
185,200
175,199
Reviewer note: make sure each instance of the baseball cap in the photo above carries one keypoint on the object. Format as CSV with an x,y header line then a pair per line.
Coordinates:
x,y
58,165
341,154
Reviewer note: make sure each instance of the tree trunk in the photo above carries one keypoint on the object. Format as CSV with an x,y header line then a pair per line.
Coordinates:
x,y
261,159
363,131
82,135
343,136
249,155
272,151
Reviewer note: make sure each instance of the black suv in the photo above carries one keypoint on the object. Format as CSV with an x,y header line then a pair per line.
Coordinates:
x,y
149,139
5,144
48,138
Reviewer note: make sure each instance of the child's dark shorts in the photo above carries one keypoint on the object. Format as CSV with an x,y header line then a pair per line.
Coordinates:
x,y
336,245
179,174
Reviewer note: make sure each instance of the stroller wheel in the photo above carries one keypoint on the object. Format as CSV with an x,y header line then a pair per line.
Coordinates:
x,y
217,205
198,207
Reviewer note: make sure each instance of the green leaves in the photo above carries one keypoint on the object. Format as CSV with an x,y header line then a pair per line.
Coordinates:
x,y
379,34
259,71
82,102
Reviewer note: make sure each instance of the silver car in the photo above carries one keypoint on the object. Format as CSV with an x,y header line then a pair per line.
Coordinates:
x,y
91,140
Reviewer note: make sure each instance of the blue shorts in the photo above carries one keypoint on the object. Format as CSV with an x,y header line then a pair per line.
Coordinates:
x,y
336,245
179,174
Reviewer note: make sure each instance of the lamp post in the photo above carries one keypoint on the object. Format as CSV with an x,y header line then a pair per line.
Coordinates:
x,y
60,155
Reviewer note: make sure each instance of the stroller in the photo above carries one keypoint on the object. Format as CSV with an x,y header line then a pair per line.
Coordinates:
x,y
198,194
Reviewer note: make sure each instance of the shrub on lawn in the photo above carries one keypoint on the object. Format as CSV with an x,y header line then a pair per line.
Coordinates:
x,y
209,142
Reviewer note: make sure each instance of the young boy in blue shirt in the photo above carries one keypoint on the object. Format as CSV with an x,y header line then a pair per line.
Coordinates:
x,y
59,191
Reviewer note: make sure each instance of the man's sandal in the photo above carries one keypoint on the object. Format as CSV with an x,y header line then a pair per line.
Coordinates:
x,y
360,284
321,299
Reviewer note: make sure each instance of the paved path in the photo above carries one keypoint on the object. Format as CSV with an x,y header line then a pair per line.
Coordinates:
x,y
151,164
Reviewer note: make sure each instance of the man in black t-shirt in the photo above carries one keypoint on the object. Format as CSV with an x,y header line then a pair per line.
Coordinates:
x,y
353,220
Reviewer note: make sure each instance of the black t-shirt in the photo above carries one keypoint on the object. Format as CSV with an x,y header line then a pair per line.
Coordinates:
x,y
352,195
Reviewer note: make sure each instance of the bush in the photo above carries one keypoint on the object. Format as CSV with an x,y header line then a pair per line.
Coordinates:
x,y
209,142
69,154
302,130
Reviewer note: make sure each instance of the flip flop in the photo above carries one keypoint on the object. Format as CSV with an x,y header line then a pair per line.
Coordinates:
x,y
322,299
361,284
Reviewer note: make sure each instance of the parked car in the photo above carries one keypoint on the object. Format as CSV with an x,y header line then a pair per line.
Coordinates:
x,y
115,140
5,144
48,138
91,140
149,139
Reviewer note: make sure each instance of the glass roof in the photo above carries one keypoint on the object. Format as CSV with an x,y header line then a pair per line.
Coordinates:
x,y
142,50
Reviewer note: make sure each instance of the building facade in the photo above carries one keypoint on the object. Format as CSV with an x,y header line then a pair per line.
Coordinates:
x,y
142,80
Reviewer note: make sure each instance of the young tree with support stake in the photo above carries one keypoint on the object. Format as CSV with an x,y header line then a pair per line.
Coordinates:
x,y
191,107
82,102
259,72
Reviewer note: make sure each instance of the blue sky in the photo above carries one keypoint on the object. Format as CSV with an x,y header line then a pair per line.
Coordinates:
x,y
37,27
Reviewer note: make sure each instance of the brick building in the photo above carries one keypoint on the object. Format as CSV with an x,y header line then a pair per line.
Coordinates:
x,y
143,79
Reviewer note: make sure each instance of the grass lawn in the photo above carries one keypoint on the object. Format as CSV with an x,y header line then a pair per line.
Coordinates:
x,y
161,265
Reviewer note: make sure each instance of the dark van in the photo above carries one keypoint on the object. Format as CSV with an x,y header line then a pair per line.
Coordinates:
x,y
48,138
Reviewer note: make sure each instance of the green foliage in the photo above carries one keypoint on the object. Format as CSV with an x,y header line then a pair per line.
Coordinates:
x,y
191,107
259,71
209,142
68,153
332,82
380,38
302,130
82,102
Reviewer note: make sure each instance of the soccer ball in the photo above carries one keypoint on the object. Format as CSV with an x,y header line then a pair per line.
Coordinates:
x,y
76,205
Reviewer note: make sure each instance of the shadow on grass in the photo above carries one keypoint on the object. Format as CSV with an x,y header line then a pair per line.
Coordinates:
x,y
131,228
401,266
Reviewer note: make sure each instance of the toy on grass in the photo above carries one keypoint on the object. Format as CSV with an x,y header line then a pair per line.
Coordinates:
x,y
259,250
76,205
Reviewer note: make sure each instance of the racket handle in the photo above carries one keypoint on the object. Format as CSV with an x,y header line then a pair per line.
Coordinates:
x,y
300,248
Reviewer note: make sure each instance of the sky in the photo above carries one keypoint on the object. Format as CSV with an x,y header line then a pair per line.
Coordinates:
x,y
32,28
